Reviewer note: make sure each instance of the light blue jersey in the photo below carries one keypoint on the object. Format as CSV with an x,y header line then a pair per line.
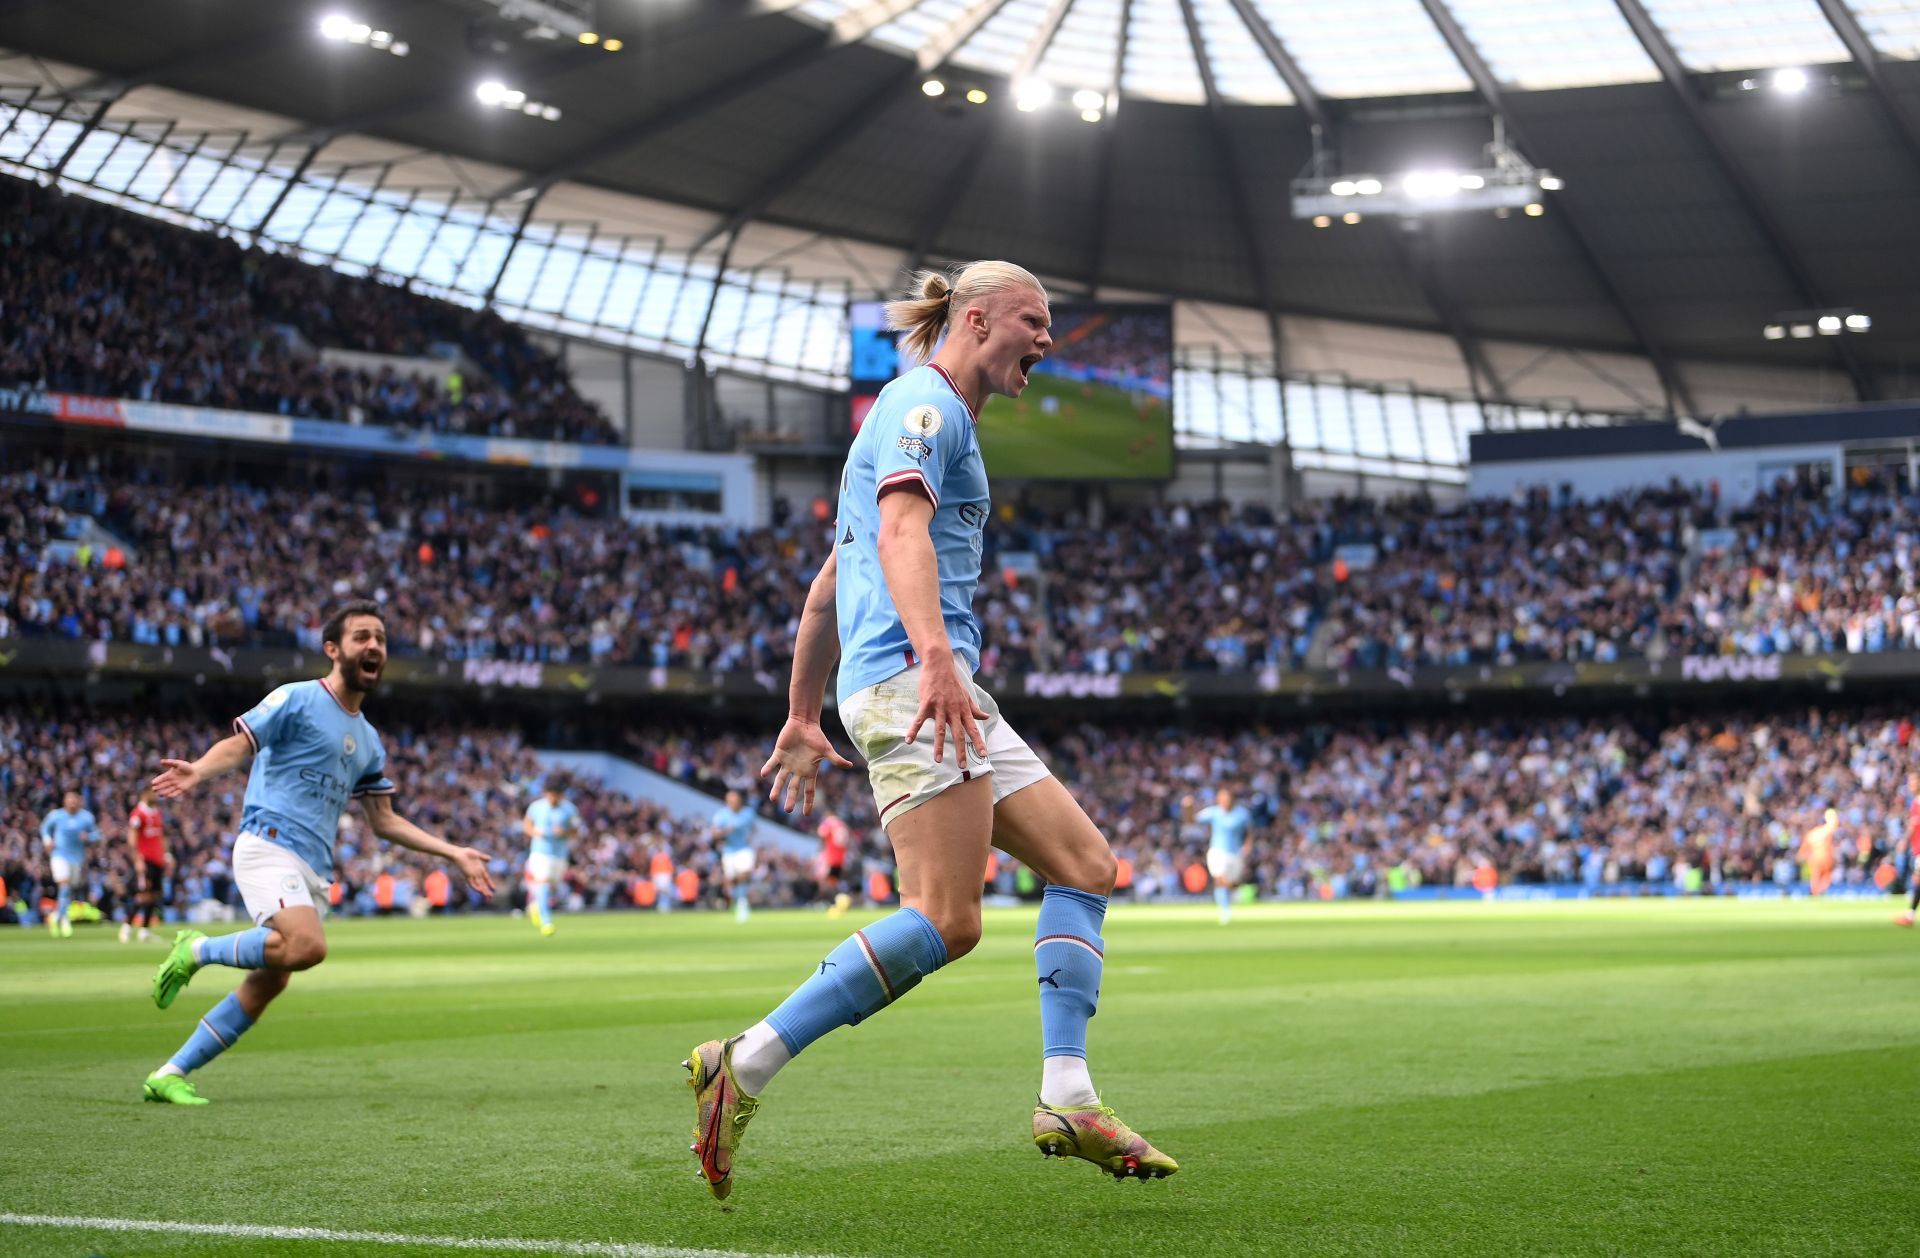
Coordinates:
x,y
70,832
309,756
738,827
1230,826
920,433
553,826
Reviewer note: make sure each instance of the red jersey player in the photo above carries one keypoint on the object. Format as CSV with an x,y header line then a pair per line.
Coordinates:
x,y
834,834
1913,851
147,838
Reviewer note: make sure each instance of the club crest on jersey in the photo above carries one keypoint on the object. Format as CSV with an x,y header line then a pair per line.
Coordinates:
x,y
346,744
915,447
275,699
922,421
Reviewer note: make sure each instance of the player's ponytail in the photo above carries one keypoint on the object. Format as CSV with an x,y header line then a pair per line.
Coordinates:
x,y
924,319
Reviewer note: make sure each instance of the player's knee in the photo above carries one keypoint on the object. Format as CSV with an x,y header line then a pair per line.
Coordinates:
x,y
267,984
959,930
305,951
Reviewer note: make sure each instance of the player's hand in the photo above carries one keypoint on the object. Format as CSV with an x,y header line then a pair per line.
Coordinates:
x,y
795,764
176,778
472,863
947,701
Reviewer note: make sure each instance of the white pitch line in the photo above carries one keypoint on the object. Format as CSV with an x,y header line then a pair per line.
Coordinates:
x,y
496,1244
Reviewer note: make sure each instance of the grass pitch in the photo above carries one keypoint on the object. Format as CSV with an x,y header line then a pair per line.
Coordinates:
x,y
1614,1078
1095,434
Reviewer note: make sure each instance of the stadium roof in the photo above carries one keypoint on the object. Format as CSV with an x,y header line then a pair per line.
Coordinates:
x,y
1699,201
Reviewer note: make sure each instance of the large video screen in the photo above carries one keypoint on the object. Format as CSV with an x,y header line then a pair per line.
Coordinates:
x,y
1100,407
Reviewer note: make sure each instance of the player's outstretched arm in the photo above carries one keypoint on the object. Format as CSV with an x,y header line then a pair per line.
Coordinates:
x,y
391,826
177,777
802,745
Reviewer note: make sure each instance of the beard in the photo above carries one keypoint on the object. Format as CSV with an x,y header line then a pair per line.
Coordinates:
x,y
358,678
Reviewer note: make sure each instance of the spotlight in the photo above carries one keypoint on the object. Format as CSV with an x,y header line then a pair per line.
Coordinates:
x,y
1086,98
336,26
550,112
1089,115
359,33
1859,322
933,87
491,92
1350,217
1342,188
1032,94
1551,183
1321,220
1790,81
1802,331
1368,187
1535,209
589,37
613,45
1426,184
1774,332
976,96
513,98
1472,183
1829,325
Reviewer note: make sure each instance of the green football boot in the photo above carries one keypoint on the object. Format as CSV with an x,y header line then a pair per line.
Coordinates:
x,y
171,1090
1093,1132
177,970
721,1114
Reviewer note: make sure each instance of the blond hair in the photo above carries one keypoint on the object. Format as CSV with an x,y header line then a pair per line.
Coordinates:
x,y
924,319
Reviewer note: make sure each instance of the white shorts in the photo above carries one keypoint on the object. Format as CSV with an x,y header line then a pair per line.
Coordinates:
x,y
63,870
1226,866
544,868
904,775
271,878
738,863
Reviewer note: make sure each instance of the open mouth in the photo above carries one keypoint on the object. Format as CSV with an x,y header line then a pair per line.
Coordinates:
x,y
1027,365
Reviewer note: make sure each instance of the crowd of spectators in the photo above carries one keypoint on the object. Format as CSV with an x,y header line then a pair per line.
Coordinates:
x,y
472,784
1704,803
100,301
1343,584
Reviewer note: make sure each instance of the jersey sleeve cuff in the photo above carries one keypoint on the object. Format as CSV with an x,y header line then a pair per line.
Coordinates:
x,y
907,476
380,788
240,726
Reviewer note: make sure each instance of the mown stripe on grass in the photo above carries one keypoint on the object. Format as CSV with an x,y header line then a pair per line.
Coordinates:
x,y
494,1244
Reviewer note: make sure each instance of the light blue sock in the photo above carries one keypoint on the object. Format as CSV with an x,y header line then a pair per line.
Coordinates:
x,y
870,970
1223,896
543,900
1070,955
246,950
66,900
223,1025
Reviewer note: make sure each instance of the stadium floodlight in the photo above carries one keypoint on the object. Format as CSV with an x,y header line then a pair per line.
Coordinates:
x,y
1471,182
1350,217
1321,220
1086,98
1859,322
1426,185
336,26
514,98
1342,188
1090,115
1789,80
1802,324
1368,187
1551,183
1032,94
1535,209
1774,332
976,96
589,37
491,92
933,87
1802,331
1502,181
613,45
1829,325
